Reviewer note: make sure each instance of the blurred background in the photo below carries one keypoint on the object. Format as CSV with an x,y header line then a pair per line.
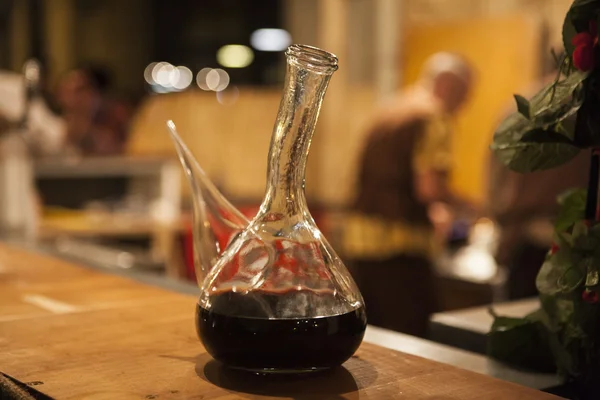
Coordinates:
x,y
216,69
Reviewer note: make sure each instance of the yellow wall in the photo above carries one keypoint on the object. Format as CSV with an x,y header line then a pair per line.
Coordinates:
x,y
505,53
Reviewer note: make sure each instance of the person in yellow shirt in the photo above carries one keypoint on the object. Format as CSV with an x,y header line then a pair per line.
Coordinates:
x,y
402,195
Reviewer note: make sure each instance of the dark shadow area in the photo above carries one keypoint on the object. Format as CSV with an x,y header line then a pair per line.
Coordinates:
x,y
330,384
10,388
573,391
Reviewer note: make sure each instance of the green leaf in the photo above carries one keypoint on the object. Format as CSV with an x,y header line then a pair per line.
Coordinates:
x,y
584,239
521,342
548,277
595,231
564,310
558,312
513,128
563,239
523,106
586,244
572,196
523,151
580,230
545,136
553,311
572,209
567,128
530,156
571,279
559,100
566,257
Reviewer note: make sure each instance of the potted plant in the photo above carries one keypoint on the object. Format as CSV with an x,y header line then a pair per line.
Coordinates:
x,y
548,130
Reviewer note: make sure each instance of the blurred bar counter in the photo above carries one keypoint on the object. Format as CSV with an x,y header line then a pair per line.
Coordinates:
x,y
128,212
124,211
83,182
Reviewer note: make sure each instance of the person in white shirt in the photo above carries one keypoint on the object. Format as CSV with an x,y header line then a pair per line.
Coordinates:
x,y
44,131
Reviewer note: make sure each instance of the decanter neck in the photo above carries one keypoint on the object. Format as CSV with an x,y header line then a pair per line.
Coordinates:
x,y
307,77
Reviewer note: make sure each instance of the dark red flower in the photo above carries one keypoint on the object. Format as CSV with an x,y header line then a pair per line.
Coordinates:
x,y
554,249
583,57
582,39
590,296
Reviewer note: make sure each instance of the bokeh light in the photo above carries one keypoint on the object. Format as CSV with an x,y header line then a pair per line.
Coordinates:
x,y
212,79
235,56
148,73
270,39
201,78
164,77
157,67
183,79
228,97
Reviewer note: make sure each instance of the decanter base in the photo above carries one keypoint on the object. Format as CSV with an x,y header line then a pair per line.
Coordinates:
x,y
281,346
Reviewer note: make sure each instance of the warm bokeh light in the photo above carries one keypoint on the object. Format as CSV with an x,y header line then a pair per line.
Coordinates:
x,y
212,79
475,264
183,79
270,39
148,73
166,75
223,80
217,79
155,69
201,78
235,56
229,96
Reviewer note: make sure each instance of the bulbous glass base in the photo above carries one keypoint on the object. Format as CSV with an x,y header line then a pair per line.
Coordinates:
x,y
278,346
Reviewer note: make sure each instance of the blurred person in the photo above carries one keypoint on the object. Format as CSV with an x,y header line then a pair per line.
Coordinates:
x,y
96,125
403,193
28,128
523,206
29,110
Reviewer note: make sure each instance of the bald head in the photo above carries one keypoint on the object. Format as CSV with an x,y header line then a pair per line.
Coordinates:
x,y
449,77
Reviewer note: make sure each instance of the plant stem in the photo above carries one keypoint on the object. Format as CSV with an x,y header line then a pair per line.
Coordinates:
x,y
592,191
586,126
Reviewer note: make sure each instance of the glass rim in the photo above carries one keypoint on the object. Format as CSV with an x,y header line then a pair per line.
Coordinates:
x,y
312,58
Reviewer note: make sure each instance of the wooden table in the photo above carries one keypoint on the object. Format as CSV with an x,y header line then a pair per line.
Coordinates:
x,y
76,333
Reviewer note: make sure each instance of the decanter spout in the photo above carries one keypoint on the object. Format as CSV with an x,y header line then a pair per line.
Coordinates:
x,y
215,220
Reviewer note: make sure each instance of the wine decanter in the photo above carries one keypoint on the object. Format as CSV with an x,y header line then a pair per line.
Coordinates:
x,y
275,297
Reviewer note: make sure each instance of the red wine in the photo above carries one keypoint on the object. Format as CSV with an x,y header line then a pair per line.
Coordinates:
x,y
258,343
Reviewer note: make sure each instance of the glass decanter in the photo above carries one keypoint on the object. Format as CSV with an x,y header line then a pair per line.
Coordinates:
x,y
275,297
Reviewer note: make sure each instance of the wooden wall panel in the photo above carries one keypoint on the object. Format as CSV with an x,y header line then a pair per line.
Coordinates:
x,y
229,141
